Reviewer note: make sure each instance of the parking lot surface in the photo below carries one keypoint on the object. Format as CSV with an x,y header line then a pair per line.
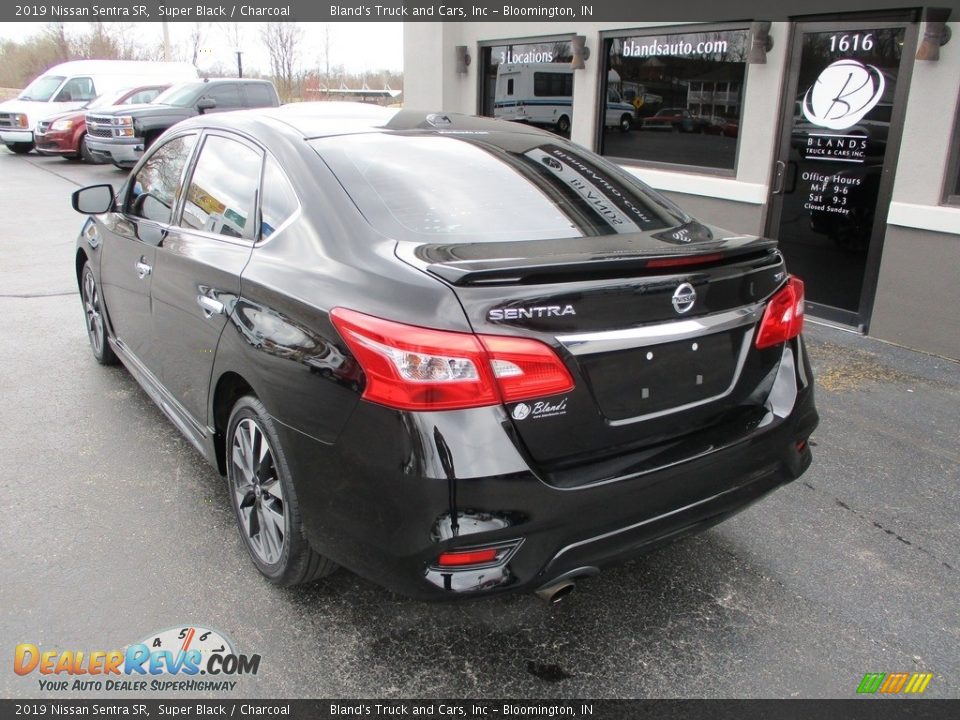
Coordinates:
x,y
115,528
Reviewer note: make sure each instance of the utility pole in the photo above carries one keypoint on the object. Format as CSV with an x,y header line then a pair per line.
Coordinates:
x,y
239,63
166,42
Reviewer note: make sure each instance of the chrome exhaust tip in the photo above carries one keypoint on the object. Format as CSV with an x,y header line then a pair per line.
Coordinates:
x,y
552,594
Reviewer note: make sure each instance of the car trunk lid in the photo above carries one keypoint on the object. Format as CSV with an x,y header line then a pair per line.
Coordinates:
x,y
656,330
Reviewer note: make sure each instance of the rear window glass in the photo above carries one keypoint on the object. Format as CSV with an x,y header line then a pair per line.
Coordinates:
x,y
259,95
493,187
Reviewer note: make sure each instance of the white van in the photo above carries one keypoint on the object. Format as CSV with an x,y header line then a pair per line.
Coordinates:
x,y
542,94
71,85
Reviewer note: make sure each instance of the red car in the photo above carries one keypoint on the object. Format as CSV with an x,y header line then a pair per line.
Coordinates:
x,y
717,125
63,134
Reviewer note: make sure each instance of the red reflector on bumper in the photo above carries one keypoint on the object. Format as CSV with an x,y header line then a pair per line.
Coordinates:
x,y
467,557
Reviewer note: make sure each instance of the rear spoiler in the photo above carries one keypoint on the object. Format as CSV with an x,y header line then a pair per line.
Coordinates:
x,y
541,261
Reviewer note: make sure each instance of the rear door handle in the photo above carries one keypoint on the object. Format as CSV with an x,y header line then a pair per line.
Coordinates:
x,y
210,306
142,268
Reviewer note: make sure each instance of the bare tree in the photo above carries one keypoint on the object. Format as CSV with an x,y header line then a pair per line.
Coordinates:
x,y
283,46
198,34
111,41
325,51
56,33
233,32
22,60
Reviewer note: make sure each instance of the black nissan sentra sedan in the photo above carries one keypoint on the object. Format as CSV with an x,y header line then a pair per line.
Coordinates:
x,y
455,355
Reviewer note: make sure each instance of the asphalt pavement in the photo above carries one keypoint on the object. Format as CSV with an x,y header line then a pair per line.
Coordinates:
x,y
114,528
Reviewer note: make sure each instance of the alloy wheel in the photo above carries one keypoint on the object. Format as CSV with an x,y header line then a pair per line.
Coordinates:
x,y
91,308
258,492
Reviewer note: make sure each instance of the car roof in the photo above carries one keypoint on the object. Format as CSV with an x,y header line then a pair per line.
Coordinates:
x,y
211,81
322,119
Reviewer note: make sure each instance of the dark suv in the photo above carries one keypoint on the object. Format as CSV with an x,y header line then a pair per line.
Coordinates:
x,y
456,355
119,135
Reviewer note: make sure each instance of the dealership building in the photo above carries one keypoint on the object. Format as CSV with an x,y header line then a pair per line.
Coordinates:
x,y
837,136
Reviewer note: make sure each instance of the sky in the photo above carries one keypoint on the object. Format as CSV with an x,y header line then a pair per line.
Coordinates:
x,y
363,46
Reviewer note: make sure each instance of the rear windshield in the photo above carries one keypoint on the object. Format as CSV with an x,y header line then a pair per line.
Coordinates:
x,y
42,88
489,186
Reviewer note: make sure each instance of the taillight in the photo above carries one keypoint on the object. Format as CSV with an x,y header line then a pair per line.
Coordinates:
x,y
783,317
414,368
525,368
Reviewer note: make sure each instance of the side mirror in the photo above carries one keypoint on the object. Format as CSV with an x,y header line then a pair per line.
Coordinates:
x,y
206,103
93,200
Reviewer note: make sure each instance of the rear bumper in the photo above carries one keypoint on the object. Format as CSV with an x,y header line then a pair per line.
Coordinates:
x,y
381,500
119,152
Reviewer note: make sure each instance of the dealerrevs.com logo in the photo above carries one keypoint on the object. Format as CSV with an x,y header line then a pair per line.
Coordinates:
x,y
171,660
894,683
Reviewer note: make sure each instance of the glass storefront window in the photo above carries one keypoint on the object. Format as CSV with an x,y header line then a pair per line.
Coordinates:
x,y
676,98
528,82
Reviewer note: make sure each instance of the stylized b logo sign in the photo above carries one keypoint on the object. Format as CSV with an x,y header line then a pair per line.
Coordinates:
x,y
845,91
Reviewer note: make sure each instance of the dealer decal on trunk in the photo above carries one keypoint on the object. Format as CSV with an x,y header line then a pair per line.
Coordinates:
x,y
540,409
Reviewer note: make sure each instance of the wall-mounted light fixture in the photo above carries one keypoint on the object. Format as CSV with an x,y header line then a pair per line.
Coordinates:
x,y
579,51
463,59
760,43
936,33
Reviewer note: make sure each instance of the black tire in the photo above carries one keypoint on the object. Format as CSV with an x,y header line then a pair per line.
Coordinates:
x,y
260,491
85,153
20,148
626,124
95,319
563,125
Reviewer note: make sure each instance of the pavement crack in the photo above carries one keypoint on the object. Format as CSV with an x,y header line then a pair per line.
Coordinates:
x,y
892,533
44,168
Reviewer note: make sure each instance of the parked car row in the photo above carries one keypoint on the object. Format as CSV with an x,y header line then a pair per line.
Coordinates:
x,y
65,134
112,111
120,134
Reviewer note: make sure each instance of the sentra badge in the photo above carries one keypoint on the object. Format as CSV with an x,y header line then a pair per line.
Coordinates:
x,y
537,311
